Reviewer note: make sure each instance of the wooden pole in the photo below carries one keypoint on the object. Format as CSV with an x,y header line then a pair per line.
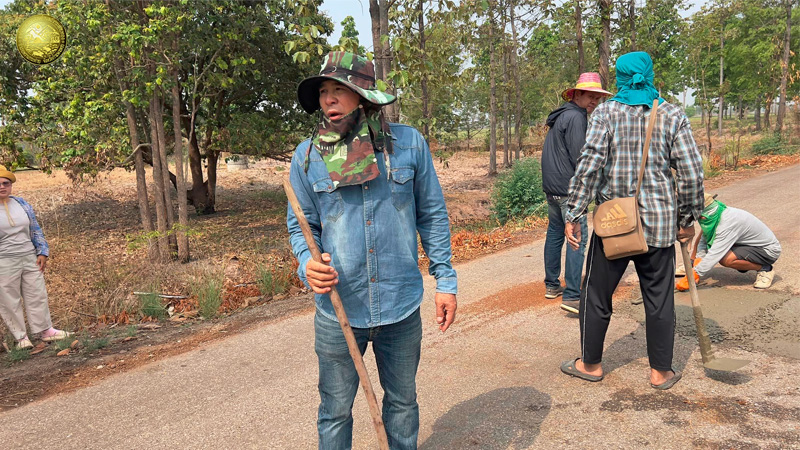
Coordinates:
x,y
374,410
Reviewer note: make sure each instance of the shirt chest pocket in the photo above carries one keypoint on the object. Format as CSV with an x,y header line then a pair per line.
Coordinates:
x,y
330,200
402,185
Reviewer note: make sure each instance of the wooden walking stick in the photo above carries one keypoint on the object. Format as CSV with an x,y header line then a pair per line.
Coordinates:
x,y
374,410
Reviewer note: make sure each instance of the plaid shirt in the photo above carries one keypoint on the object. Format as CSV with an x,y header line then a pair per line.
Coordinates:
x,y
609,168
37,235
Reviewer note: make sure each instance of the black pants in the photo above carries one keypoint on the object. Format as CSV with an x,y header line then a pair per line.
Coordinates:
x,y
656,270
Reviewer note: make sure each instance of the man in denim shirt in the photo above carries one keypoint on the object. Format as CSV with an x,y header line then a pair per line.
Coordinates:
x,y
367,188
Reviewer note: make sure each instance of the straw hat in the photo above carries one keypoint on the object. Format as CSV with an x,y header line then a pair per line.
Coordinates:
x,y
588,81
5,173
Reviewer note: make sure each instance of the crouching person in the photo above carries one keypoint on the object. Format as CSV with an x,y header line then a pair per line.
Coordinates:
x,y
733,238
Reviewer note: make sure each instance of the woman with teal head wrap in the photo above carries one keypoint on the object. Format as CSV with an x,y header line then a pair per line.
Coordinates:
x,y
635,80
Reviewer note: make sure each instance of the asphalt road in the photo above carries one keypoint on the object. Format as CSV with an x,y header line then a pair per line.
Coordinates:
x,y
491,382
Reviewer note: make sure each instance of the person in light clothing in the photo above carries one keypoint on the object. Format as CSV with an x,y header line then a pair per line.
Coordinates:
x,y
23,258
733,238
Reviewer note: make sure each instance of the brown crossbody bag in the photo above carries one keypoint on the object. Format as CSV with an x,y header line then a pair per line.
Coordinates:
x,y
617,221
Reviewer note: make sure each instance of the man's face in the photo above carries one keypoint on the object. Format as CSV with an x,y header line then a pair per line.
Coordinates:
x,y
587,100
336,99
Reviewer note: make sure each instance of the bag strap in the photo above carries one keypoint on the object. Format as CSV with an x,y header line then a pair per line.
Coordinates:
x,y
645,151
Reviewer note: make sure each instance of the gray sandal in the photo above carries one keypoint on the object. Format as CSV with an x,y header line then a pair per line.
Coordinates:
x,y
669,383
568,367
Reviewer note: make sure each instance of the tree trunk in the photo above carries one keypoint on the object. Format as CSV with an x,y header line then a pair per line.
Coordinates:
x,y
506,94
721,76
707,156
426,114
604,51
492,96
158,183
212,154
393,110
632,25
145,216
377,45
784,67
578,34
757,113
198,195
506,108
740,112
517,87
708,109
183,216
767,111
212,159
162,155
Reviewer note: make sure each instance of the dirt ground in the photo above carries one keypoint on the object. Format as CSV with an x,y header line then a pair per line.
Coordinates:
x,y
96,264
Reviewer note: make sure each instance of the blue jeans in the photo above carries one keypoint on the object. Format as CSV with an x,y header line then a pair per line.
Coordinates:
x,y
397,351
556,210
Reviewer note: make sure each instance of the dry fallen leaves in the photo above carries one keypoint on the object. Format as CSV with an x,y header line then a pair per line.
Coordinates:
x,y
40,347
64,352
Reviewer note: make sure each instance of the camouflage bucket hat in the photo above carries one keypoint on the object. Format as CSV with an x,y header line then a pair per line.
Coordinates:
x,y
355,72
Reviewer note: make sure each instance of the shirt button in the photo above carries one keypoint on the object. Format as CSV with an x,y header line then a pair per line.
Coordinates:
x,y
372,279
372,250
366,187
369,222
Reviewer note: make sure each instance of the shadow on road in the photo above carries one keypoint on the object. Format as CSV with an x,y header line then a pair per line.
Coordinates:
x,y
503,418
633,346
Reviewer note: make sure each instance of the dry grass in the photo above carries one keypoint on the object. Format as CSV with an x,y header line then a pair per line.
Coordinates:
x,y
93,270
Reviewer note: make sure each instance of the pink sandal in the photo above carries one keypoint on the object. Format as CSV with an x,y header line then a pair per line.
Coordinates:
x,y
56,335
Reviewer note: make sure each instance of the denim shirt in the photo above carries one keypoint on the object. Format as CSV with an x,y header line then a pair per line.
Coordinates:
x,y
37,235
370,231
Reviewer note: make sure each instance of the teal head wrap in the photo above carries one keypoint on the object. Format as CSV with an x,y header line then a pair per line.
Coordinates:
x,y
635,80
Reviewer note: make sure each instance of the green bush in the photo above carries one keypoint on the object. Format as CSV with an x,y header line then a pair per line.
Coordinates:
x,y
90,344
209,295
150,305
271,282
16,354
518,193
770,144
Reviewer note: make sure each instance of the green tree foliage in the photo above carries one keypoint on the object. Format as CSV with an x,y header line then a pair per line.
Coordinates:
x,y
661,33
237,83
752,33
349,37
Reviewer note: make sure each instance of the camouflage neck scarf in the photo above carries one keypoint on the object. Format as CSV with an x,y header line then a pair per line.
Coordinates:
x,y
348,145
